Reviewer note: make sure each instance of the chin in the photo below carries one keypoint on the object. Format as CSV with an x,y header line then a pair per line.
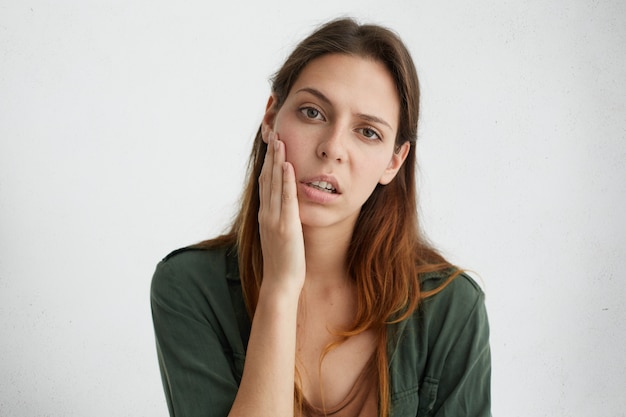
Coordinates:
x,y
312,220
311,217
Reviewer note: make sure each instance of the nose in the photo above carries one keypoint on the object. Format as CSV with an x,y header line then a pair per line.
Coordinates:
x,y
333,146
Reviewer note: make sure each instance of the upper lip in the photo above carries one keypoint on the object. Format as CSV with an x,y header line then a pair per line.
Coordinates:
x,y
323,178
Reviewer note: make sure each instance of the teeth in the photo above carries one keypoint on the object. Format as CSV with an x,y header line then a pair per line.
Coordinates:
x,y
323,185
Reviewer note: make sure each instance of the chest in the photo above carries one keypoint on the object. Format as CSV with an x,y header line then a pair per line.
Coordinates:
x,y
332,368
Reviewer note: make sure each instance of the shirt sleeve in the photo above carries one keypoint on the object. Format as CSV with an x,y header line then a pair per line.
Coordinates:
x,y
458,381
195,360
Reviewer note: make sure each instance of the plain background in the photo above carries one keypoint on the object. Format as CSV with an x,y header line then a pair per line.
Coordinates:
x,y
124,132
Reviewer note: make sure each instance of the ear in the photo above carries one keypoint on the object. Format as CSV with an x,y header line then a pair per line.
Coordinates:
x,y
267,125
397,159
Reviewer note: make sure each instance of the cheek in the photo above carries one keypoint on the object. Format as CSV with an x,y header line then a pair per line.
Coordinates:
x,y
371,168
374,162
285,128
299,144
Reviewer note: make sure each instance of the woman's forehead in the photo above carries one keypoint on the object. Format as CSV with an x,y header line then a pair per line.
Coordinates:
x,y
363,84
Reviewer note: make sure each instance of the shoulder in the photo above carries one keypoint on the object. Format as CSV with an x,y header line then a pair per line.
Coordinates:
x,y
193,258
192,261
457,312
440,341
193,273
461,294
456,301
456,309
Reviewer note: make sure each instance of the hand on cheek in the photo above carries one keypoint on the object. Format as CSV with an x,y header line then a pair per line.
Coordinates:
x,y
280,229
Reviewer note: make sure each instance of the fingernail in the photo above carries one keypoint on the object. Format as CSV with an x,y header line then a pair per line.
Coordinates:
x,y
276,144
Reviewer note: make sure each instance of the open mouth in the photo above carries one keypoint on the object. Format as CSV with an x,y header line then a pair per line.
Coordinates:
x,y
323,186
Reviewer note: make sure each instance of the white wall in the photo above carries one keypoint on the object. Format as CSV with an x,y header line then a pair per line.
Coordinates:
x,y
124,130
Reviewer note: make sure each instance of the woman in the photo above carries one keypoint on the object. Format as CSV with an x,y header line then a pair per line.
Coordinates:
x,y
324,284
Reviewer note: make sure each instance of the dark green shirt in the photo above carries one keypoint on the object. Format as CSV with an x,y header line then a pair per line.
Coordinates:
x,y
439,358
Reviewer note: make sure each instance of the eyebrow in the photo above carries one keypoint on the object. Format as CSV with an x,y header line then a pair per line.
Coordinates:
x,y
321,96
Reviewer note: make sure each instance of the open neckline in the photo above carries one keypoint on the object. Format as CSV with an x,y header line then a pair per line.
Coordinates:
x,y
361,388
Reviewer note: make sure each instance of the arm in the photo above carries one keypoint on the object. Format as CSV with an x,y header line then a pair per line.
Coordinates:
x,y
457,381
268,377
199,346
465,383
198,343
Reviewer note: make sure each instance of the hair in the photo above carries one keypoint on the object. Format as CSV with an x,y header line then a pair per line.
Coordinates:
x,y
388,251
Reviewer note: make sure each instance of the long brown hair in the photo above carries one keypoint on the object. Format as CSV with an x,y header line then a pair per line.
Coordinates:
x,y
387,252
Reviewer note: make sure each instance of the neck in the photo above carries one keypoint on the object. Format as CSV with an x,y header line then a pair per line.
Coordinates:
x,y
326,251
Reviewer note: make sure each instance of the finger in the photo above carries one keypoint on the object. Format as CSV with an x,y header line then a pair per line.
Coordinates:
x,y
277,179
265,177
290,210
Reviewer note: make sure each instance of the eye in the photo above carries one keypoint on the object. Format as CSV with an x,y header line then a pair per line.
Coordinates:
x,y
311,113
369,133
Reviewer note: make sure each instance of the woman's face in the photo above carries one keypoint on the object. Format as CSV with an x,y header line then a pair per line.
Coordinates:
x,y
339,125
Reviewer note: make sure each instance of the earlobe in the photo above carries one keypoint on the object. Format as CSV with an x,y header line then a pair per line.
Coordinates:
x,y
397,159
267,125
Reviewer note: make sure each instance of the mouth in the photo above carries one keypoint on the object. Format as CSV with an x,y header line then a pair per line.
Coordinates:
x,y
323,186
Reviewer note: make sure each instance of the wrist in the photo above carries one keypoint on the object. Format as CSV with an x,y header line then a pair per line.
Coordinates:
x,y
282,295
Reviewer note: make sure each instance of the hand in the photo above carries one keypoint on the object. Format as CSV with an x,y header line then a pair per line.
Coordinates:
x,y
280,229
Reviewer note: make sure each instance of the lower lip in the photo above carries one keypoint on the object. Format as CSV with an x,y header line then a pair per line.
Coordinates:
x,y
316,195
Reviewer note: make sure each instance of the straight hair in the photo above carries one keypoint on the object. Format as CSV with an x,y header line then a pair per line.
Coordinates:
x,y
388,252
